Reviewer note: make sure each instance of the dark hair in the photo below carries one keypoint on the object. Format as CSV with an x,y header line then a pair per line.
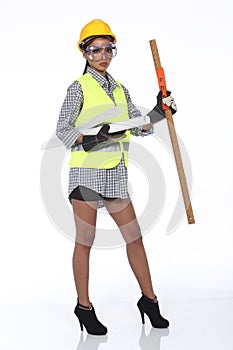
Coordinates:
x,y
86,65
88,40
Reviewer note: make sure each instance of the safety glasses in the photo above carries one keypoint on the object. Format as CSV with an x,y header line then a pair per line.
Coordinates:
x,y
97,53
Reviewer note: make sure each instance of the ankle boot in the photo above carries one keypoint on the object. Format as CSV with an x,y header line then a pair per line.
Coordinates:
x,y
87,318
151,309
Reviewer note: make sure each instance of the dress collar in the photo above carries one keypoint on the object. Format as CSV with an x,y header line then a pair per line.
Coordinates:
x,y
107,82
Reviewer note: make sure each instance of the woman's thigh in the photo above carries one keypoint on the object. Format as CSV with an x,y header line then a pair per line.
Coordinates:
x,y
85,214
122,212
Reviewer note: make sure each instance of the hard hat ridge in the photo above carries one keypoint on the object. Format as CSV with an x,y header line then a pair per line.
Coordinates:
x,y
95,28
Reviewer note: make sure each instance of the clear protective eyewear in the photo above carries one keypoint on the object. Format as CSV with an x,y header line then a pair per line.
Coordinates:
x,y
98,52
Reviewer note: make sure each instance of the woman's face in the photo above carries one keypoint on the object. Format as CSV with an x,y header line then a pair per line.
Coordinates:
x,y
99,54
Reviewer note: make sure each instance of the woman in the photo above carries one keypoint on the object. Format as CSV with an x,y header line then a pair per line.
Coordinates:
x,y
98,170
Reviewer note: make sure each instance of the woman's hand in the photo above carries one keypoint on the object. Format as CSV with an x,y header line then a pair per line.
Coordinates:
x,y
91,141
157,113
80,139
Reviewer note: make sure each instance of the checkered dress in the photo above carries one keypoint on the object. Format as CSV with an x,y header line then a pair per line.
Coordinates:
x,y
112,182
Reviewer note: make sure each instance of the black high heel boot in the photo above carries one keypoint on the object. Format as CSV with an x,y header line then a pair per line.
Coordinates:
x,y
151,309
87,317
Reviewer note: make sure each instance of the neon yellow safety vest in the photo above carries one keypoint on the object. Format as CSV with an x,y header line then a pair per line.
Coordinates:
x,y
96,101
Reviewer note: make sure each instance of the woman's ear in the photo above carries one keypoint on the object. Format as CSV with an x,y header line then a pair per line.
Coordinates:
x,y
85,55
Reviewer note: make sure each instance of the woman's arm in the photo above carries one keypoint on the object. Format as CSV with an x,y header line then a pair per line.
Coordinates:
x,y
135,112
147,126
72,105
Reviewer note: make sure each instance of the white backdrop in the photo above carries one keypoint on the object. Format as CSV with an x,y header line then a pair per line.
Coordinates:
x,y
39,60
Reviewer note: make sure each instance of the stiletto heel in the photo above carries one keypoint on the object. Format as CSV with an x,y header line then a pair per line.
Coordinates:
x,y
151,309
142,316
81,325
87,318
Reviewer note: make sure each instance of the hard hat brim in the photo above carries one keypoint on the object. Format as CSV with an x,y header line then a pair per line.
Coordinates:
x,y
85,41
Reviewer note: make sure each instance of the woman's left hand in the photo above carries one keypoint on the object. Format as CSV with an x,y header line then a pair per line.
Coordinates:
x,y
157,113
168,101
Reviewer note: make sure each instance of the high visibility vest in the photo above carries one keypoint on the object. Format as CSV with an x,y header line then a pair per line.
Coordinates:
x,y
96,101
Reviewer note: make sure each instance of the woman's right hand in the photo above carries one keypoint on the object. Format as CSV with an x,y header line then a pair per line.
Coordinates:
x,y
91,141
80,139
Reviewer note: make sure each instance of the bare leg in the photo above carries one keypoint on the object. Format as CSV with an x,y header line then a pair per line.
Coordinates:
x,y
85,214
123,213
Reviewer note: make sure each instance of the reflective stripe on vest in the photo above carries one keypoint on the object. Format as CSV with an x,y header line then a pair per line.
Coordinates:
x,y
112,147
96,101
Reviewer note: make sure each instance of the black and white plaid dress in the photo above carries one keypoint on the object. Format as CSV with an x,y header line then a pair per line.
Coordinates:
x,y
112,182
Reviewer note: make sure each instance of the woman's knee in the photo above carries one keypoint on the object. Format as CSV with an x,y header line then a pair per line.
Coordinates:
x,y
131,232
85,236
135,242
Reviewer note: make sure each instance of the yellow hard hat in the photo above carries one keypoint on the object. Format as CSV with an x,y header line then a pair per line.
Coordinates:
x,y
96,27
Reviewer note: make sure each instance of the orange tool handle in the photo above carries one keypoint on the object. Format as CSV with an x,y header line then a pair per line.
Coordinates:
x,y
162,84
172,132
